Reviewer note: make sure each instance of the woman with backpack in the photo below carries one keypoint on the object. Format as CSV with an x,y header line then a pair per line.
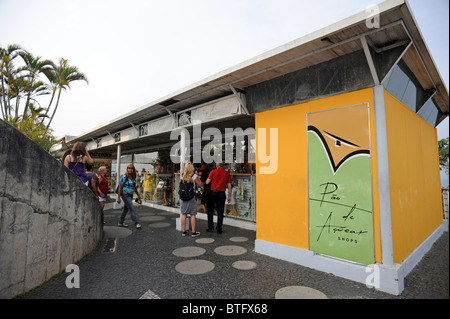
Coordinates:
x,y
127,186
188,198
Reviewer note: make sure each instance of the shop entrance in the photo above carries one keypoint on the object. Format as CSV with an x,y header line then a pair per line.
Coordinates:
x,y
158,166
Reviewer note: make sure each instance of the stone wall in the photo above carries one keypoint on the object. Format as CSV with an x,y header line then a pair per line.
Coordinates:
x,y
48,217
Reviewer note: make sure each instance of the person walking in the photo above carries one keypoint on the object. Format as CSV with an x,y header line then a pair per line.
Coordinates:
x,y
188,198
103,185
127,186
219,180
94,185
92,180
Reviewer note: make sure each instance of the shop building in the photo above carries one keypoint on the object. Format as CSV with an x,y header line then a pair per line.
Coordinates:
x,y
333,139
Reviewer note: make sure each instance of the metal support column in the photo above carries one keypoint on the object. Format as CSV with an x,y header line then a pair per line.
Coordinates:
x,y
384,191
119,148
184,136
183,150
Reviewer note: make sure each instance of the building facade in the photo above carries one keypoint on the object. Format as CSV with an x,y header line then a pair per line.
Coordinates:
x,y
331,139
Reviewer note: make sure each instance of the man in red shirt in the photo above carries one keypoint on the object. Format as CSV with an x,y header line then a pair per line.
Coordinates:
x,y
219,179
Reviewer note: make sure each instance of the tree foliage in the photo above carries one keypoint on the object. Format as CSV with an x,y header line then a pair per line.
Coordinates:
x,y
23,79
443,154
32,126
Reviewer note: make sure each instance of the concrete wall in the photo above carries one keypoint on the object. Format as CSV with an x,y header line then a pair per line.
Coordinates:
x,y
48,217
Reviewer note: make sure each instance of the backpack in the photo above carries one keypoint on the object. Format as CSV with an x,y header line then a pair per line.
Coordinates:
x,y
186,190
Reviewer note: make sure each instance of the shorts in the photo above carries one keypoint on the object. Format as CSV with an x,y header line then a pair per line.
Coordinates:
x,y
189,207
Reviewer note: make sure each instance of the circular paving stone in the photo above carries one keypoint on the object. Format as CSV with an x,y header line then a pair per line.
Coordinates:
x,y
159,225
194,267
190,251
152,218
238,239
299,292
145,213
230,250
244,265
165,213
114,213
205,240
116,232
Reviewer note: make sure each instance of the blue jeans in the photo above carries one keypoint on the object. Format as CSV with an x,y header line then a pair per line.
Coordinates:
x,y
127,206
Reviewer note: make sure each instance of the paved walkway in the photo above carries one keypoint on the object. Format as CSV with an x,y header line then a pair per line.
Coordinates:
x,y
157,262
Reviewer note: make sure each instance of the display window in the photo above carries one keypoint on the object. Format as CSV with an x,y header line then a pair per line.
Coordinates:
x,y
158,179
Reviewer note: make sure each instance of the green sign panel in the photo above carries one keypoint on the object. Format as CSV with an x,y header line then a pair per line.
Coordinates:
x,y
340,184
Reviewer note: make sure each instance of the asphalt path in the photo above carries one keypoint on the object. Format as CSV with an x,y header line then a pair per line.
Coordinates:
x,y
156,262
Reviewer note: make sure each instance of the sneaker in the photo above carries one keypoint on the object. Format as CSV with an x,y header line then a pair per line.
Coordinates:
x,y
210,230
138,226
122,225
184,234
195,234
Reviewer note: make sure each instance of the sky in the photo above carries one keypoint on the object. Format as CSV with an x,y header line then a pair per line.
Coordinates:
x,y
137,51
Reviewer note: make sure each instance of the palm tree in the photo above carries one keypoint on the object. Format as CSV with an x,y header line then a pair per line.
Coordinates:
x,y
24,83
7,73
33,67
18,87
52,87
61,77
8,76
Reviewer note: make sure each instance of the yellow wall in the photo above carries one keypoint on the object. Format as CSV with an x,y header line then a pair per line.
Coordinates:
x,y
416,207
282,198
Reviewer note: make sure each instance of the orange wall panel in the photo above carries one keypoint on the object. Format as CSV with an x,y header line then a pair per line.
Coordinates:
x,y
282,197
416,207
